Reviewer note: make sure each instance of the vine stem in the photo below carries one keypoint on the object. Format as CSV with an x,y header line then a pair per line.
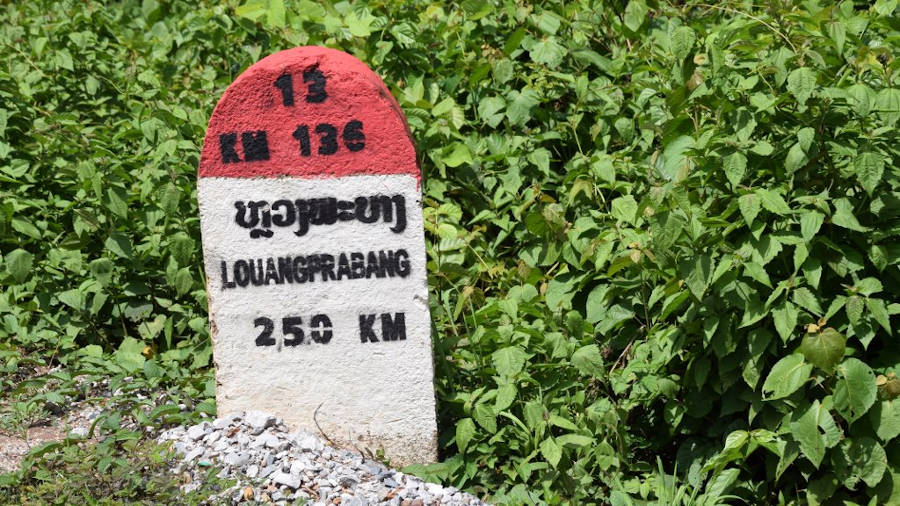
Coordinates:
x,y
754,18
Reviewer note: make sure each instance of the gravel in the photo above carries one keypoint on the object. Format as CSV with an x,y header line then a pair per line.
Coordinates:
x,y
273,465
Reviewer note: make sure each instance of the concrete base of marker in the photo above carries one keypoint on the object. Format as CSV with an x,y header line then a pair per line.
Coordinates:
x,y
356,387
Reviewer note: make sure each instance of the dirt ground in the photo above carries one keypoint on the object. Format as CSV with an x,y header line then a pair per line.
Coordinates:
x,y
13,448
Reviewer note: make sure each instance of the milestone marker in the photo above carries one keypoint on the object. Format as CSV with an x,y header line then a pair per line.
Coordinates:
x,y
314,250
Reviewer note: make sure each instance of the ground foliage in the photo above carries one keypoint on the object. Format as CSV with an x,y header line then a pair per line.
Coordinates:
x,y
117,471
662,238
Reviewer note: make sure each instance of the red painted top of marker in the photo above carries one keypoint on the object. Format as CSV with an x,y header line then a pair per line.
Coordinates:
x,y
307,112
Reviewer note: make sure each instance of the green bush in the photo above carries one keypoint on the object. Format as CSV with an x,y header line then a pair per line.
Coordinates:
x,y
663,239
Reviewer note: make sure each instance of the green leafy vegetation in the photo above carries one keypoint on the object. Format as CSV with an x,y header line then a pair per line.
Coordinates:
x,y
121,470
662,238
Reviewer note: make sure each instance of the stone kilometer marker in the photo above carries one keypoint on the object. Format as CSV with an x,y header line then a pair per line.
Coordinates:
x,y
314,250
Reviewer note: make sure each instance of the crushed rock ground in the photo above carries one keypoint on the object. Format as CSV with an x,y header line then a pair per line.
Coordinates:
x,y
273,465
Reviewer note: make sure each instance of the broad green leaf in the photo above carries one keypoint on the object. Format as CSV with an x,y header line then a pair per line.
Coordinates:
x,y
91,350
551,451
576,440
275,14
681,42
548,51
831,431
635,14
861,98
810,223
476,9
801,253
786,377
674,163
541,158
735,167
790,450
129,355
796,158
843,216
805,138
785,319
486,417
502,72
757,272
252,9
666,229
603,168
534,414
182,248
805,430
854,308
869,167
736,440
625,209
696,273
19,263
24,226
596,305
358,26
860,459
887,103
465,431
615,315
878,311
102,270
885,418
588,360
855,390
548,22
762,148
878,254
804,298
721,483
772,201
183,281
519,105
564,423
868,286
885,7
514,40
509,361
119,244
117,202
490,110
560,292
801,83
73,298
458,155
812,271
506,394
825,349
749,205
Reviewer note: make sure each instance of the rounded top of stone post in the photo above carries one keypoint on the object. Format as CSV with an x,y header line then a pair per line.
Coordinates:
x,y
316,108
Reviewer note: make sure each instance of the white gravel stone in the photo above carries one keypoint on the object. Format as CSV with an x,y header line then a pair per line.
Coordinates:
x,y
236,459
283,478
257,451
259,421
193,454
308,442
80,431
196,432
